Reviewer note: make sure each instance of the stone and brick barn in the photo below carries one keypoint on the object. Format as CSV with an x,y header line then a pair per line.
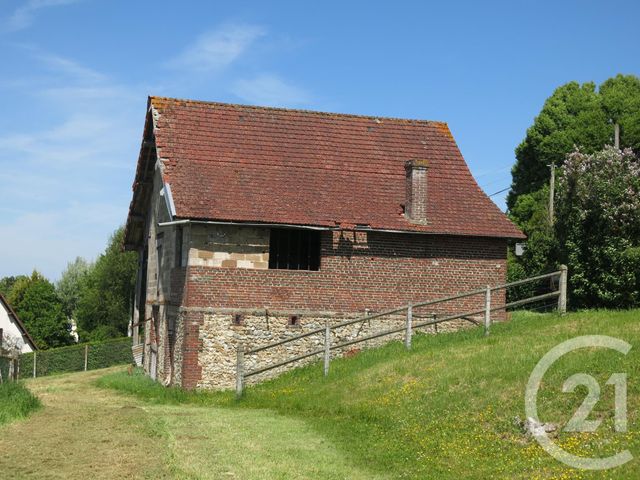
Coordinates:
x,y
253,224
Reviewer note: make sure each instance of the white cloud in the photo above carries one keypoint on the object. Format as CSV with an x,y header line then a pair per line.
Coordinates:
x,y
79,139
70,67
214,51
268,89
23,16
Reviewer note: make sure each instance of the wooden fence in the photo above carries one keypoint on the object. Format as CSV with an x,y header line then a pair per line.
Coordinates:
x,y
559,291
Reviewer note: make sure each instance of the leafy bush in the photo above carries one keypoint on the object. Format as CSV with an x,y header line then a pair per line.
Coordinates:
x,y
598,227
71,359
515,272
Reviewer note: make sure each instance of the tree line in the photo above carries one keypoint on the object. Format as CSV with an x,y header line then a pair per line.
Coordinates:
x,y
596,226
95,296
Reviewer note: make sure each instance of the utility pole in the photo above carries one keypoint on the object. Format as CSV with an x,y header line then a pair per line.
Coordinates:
x,y
552,188
616,137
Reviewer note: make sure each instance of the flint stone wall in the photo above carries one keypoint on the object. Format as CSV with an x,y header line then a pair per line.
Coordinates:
x,y
219,338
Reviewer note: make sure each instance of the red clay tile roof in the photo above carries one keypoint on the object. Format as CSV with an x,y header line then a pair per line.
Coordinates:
x,y
242,163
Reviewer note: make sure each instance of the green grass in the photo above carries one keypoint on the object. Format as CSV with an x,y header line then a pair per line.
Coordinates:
x,y
445,409
16,402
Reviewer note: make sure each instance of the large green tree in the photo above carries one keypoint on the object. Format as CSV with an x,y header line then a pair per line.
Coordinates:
x,y
104,306
69,287
35,301
576,116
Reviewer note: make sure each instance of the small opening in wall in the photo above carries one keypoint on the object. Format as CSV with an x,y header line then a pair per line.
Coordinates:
x,y
294,320
237,319
294,249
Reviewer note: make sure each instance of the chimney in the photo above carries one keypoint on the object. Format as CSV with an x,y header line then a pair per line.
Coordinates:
x,y
416,191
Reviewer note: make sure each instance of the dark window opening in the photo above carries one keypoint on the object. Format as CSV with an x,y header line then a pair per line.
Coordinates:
x,y
159,240
237,319
155,315
294,249
178,246
294,320
171,328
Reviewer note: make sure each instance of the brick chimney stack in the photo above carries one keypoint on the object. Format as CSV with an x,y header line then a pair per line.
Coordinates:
x,y
416,191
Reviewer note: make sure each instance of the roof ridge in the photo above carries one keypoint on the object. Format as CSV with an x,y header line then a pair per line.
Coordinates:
x,y
297,110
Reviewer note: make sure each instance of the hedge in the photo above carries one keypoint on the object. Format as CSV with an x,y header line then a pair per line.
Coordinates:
x,y
103,354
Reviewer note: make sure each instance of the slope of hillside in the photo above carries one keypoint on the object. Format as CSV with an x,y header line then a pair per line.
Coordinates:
x,y
446,409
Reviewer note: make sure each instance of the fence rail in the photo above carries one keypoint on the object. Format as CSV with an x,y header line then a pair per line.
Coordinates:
x,y
410,325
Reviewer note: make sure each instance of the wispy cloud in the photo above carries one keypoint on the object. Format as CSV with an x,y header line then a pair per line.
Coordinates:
x,y
70,67
24,15
215,50
64,172
269,89
72,230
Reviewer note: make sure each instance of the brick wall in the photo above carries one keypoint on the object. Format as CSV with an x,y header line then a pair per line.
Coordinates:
x,y
358,271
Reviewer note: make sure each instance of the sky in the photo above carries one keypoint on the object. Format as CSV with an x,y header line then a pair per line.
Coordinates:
x,y
75,76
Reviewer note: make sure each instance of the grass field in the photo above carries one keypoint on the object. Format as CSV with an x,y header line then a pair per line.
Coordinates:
x,y
16,402
445,409
441,411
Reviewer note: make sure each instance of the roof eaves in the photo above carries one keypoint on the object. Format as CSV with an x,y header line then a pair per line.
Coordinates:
x,y
15,317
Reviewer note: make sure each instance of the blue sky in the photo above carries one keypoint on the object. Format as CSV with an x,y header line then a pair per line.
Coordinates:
x,y
75,75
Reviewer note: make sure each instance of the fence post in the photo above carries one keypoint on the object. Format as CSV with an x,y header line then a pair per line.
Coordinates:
x,y
487,311
239,369
562,298
327,348
408,327
35,355
86,356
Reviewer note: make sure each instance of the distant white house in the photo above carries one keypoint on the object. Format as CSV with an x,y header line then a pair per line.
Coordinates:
x,y
12,327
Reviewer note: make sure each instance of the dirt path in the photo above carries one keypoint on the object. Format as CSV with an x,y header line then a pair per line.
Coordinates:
x,y
81,433
87,433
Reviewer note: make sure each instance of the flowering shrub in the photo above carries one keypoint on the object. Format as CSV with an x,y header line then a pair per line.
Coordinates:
x,y
598,227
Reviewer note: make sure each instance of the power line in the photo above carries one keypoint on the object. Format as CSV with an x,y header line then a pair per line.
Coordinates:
x,y
499,191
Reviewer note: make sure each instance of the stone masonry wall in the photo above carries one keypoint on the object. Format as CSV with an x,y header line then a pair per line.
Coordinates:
x,y
229,246
219,340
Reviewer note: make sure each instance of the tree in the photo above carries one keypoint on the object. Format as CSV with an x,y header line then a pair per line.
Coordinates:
x,y
598,227
576,116
69,286
621,103
11,342
7,283
571,116
35,301
104,306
